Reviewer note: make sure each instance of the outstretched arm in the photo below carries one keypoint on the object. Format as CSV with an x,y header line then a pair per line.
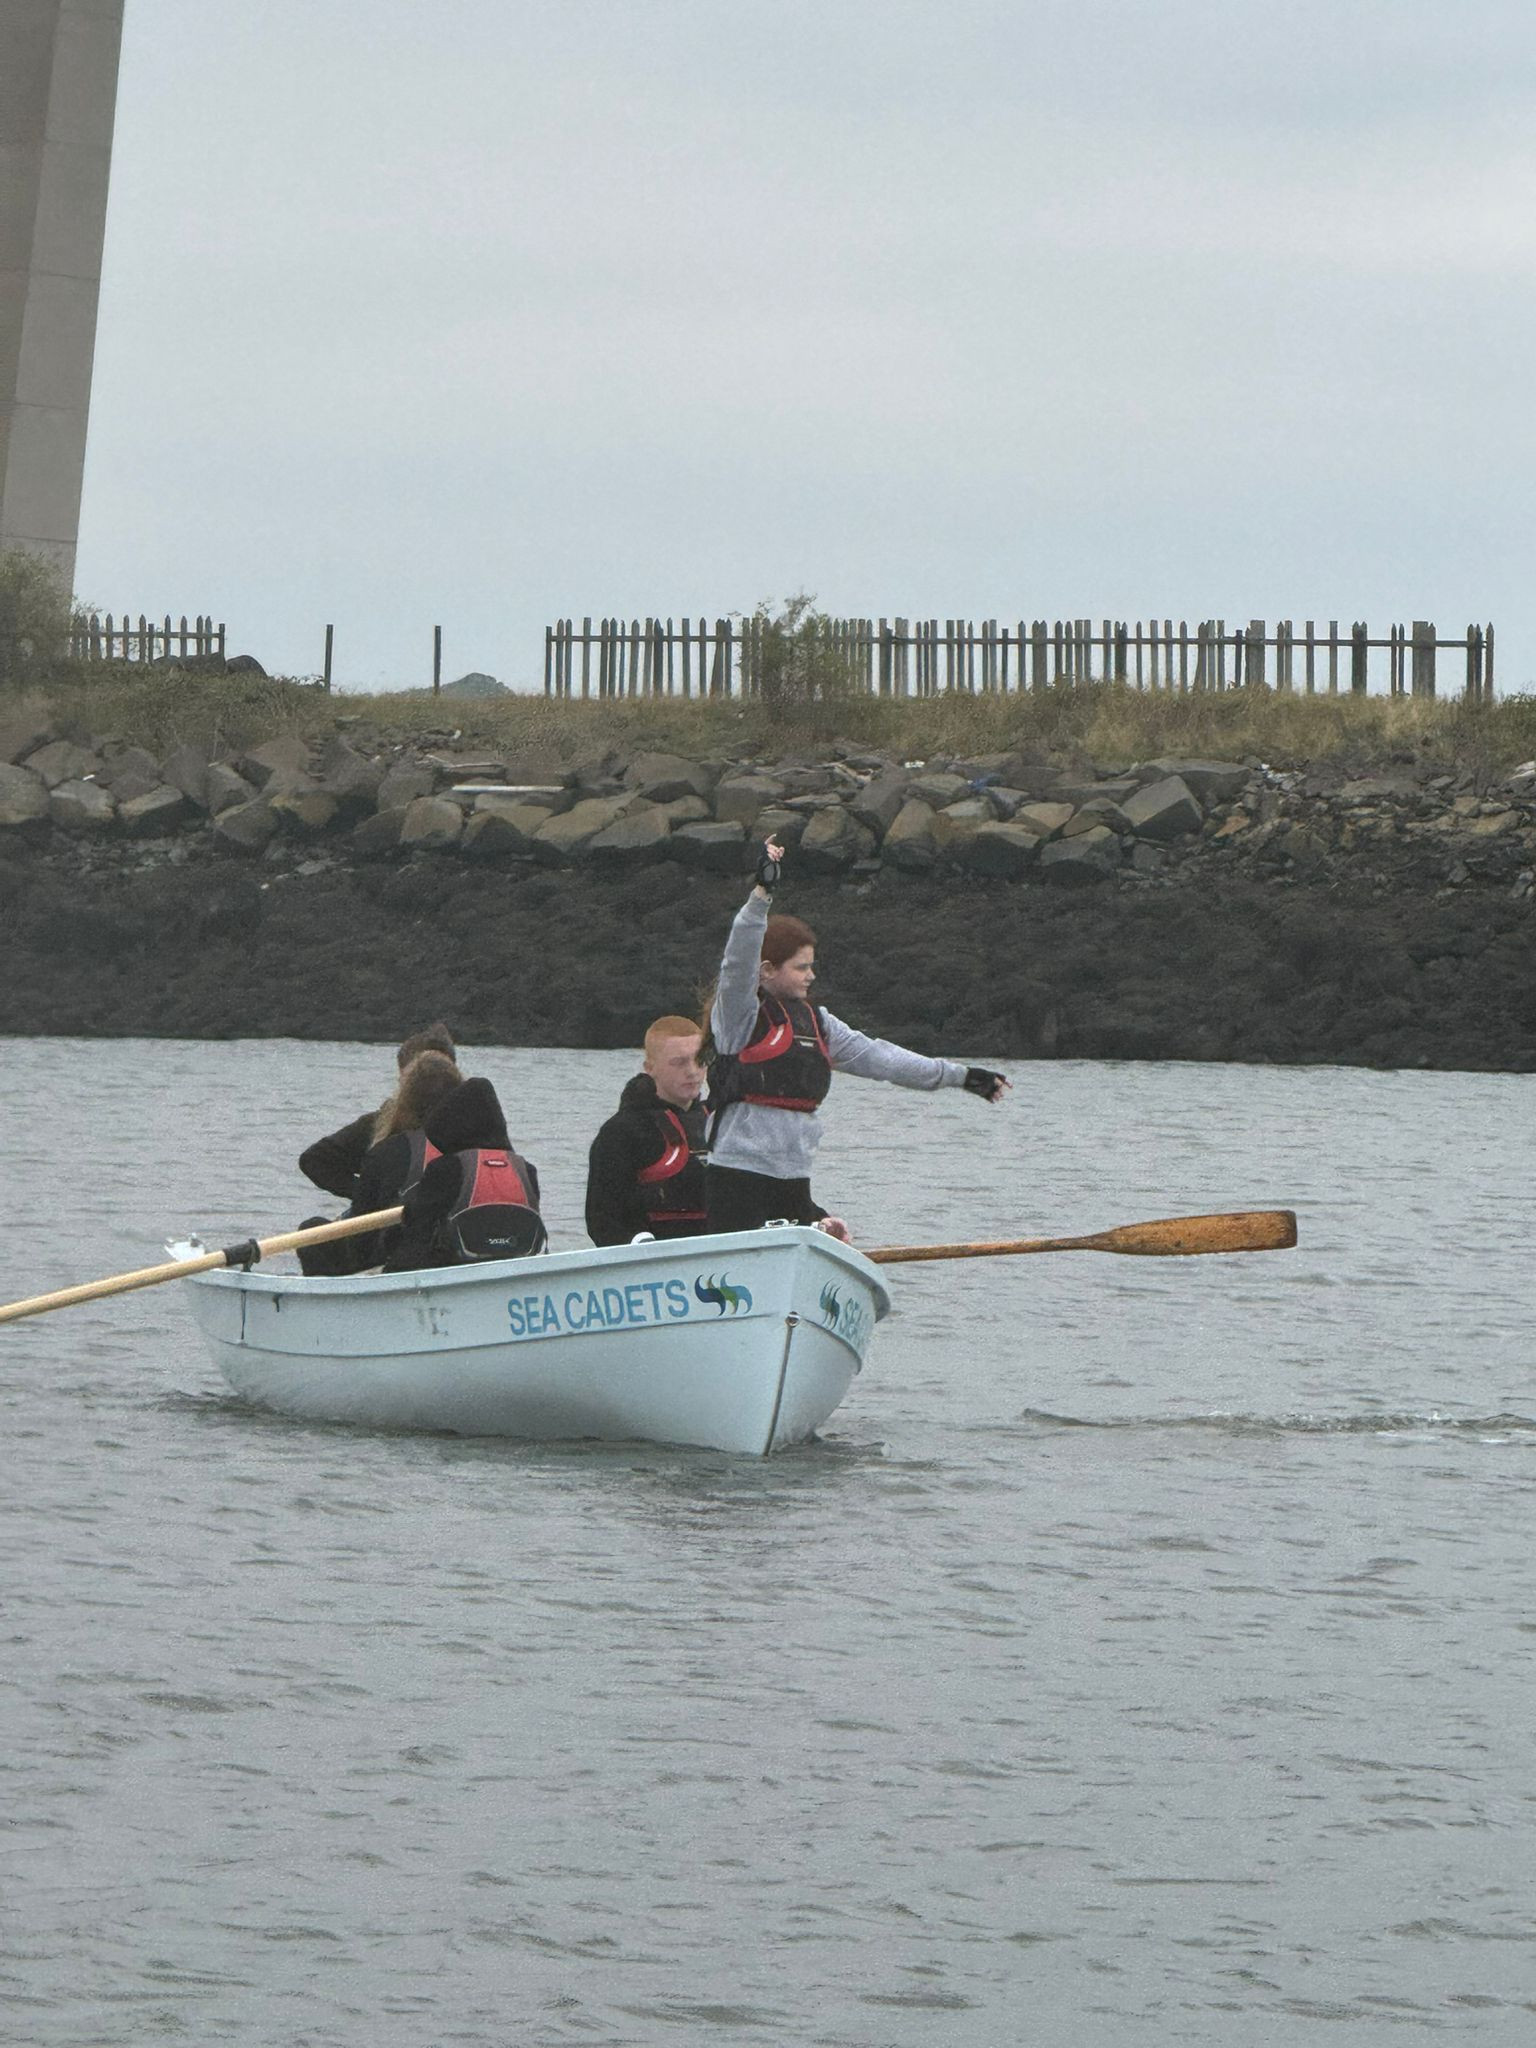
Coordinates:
x,y
876,1059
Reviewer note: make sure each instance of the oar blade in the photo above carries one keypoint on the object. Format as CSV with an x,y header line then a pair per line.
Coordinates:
x,y
1239,1230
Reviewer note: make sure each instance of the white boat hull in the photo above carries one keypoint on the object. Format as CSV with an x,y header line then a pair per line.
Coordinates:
x,y
744,1342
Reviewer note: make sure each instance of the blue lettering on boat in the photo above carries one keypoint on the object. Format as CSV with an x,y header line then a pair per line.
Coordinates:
x,y
638,1305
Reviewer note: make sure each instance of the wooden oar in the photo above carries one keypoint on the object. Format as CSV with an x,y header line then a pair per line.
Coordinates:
x,y
1241,1230
245,1254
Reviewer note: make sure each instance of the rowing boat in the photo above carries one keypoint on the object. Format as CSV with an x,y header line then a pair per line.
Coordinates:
x,y
745,1342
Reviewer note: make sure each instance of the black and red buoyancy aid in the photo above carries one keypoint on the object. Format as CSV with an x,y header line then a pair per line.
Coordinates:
x,y
785,1064
672,1186
493,1215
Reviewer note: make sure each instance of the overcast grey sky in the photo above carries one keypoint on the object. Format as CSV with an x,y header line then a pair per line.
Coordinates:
x,y
483,312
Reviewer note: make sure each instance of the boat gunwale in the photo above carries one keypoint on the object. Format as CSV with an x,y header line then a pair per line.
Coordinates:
x,y
333,1286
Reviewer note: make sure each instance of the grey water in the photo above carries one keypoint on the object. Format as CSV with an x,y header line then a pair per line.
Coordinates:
x,y
1145,1654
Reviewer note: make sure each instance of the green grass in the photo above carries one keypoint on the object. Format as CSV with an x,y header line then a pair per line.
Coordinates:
x,y
1107,723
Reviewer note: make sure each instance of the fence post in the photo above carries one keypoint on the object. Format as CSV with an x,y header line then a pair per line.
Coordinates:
x,y
330,640
437,660
1359,657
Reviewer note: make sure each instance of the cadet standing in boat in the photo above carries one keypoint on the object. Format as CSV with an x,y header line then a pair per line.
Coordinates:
x,y
645,1171
772,1054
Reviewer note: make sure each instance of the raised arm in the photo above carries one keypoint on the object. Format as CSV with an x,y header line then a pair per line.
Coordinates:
x,y
734,1010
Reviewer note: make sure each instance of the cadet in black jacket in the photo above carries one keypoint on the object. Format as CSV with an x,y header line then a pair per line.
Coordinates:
x,y
335,1161
395,1162
645,1171
476,1165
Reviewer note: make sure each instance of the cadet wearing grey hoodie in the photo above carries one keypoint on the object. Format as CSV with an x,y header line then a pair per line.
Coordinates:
x,y
759,1143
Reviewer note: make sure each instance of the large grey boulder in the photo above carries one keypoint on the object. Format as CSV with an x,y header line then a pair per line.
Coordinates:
x,y
306,811
63,761
81,807
351,778
816,780
488,835
1001,849
1098,810
402,783
23,800
262,763
1043,819
662,777
515,824
1088,857
780,824
157,811
911,842
957,825
1163,810
939,788
719,849
223,788
379,835
432,824
640,835
186,769
739,798
687,810
246,827
1005,799
22,733
878,802
1209,782
129,771
565,834
834,839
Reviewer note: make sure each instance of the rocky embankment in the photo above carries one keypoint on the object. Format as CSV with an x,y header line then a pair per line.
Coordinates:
x,y
1195,909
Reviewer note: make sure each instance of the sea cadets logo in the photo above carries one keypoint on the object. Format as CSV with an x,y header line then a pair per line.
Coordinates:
x,y
723,1295
640,1305
847,1315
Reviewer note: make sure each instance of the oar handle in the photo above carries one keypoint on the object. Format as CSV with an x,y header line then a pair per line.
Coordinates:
x,y
244,1254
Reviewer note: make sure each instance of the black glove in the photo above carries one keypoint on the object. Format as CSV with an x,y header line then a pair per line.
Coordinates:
x,y
767,871
983,1082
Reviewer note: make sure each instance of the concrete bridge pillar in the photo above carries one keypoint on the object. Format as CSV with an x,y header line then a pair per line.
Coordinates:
x,y
58,96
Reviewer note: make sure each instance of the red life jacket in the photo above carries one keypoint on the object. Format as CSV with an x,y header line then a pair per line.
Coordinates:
x,y
674,1183
785,1064
493,1215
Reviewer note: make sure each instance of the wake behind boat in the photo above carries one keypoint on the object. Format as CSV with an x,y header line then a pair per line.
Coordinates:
x,y
744,1342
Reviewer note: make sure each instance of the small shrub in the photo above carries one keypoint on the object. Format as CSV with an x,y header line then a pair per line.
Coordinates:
x,y
798,666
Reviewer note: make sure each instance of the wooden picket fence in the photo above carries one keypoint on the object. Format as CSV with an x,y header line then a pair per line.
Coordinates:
x,y
919,658
94,638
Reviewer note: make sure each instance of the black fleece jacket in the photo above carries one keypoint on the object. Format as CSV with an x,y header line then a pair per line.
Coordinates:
x,y
632,1139
335,1161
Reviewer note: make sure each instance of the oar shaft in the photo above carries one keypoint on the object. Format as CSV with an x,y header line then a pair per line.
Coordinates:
x,y
207,1262
904,1254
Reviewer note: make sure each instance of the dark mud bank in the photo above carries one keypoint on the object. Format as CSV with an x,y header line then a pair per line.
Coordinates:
x,y
1220,967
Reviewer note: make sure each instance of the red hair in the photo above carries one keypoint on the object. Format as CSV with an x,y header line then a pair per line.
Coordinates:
x,y
784,938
